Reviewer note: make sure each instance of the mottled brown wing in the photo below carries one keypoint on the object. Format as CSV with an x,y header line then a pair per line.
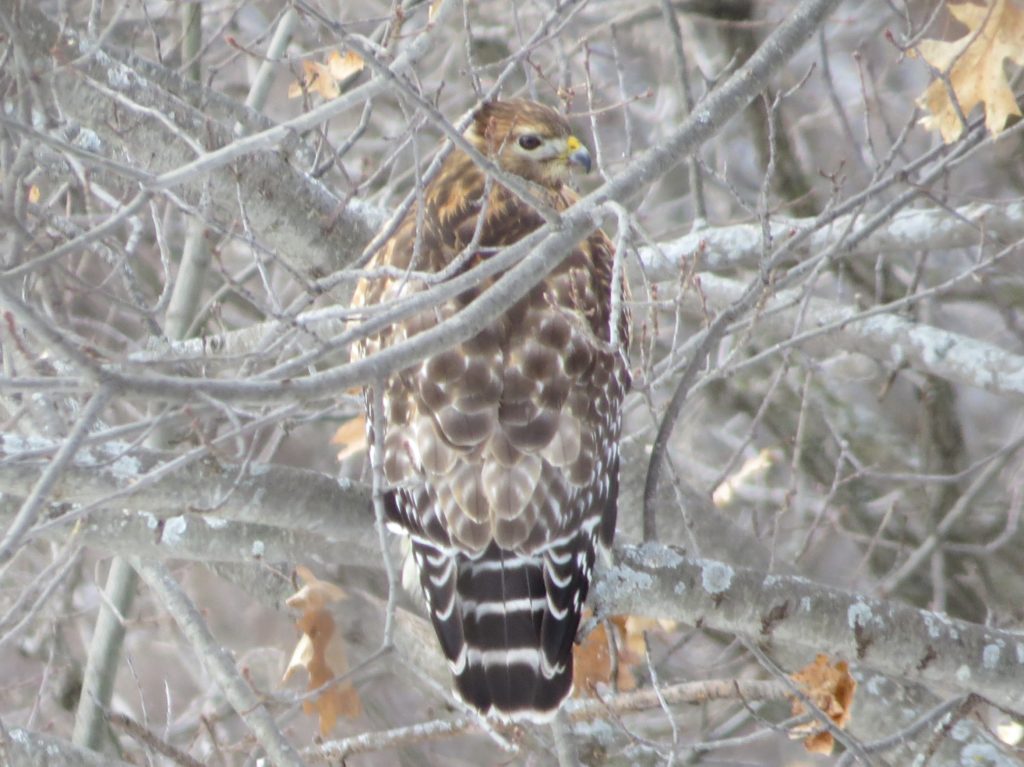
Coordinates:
x,y
504,452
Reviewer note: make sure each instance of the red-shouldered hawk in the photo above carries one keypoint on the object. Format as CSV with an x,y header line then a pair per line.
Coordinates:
x,y
502,452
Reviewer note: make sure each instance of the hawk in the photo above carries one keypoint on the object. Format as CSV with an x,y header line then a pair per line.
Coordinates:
x,y
501,453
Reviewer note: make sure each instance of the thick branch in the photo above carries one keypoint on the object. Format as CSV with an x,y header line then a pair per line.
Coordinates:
x,y
211,539
884,635
278,496
658,581
25,747
889,338
742,245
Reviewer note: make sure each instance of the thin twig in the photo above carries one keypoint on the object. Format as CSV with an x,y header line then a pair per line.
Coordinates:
x,y
29,510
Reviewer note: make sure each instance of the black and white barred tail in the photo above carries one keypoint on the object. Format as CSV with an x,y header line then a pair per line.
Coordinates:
x,y
507,622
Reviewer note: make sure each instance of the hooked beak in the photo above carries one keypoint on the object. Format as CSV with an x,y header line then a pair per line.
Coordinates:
x,y
577,154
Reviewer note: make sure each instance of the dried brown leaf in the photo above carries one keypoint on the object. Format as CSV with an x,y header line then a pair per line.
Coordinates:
x,y
592,661
351,435
326,79
831,688
344,65
995,32
634,627
316,78
315,594
321,652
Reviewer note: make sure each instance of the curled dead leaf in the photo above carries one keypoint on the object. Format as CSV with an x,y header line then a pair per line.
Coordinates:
x,y
592,659
327,79
315,594
321,652
351,436
344,65
634,627
831,688
749,473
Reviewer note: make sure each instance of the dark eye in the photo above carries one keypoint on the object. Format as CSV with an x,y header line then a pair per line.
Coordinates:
x,y
529,141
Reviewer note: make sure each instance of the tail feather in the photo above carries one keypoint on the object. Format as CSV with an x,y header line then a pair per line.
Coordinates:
x,y
506,622
566,581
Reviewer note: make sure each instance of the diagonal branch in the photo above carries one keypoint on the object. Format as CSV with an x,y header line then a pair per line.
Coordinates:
x,y
51,475
539,252
218,663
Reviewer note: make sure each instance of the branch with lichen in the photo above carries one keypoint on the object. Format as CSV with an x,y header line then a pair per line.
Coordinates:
x,y
652,580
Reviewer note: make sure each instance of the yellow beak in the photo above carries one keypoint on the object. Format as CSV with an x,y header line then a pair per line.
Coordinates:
x,y
577,154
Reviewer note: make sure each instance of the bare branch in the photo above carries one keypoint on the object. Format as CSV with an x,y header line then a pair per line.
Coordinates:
x,y
728,247
218,663
26,747
788,610
880,333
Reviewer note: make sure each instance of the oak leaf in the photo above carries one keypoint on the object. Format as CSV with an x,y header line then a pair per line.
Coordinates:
x,y
321,652
830,688
974,66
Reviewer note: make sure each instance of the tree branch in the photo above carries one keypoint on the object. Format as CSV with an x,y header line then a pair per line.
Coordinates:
x,y
879,333
890,637
650,580
280,496
723,248
26,747
534,256
218,663
279,198
578,709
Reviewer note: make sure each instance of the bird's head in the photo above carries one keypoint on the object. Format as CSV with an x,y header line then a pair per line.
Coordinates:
x,y
528,139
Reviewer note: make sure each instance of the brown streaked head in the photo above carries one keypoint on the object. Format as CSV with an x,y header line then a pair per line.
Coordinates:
x,y
529,139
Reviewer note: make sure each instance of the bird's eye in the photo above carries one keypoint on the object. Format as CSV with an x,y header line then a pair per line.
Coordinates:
x,y
529,141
